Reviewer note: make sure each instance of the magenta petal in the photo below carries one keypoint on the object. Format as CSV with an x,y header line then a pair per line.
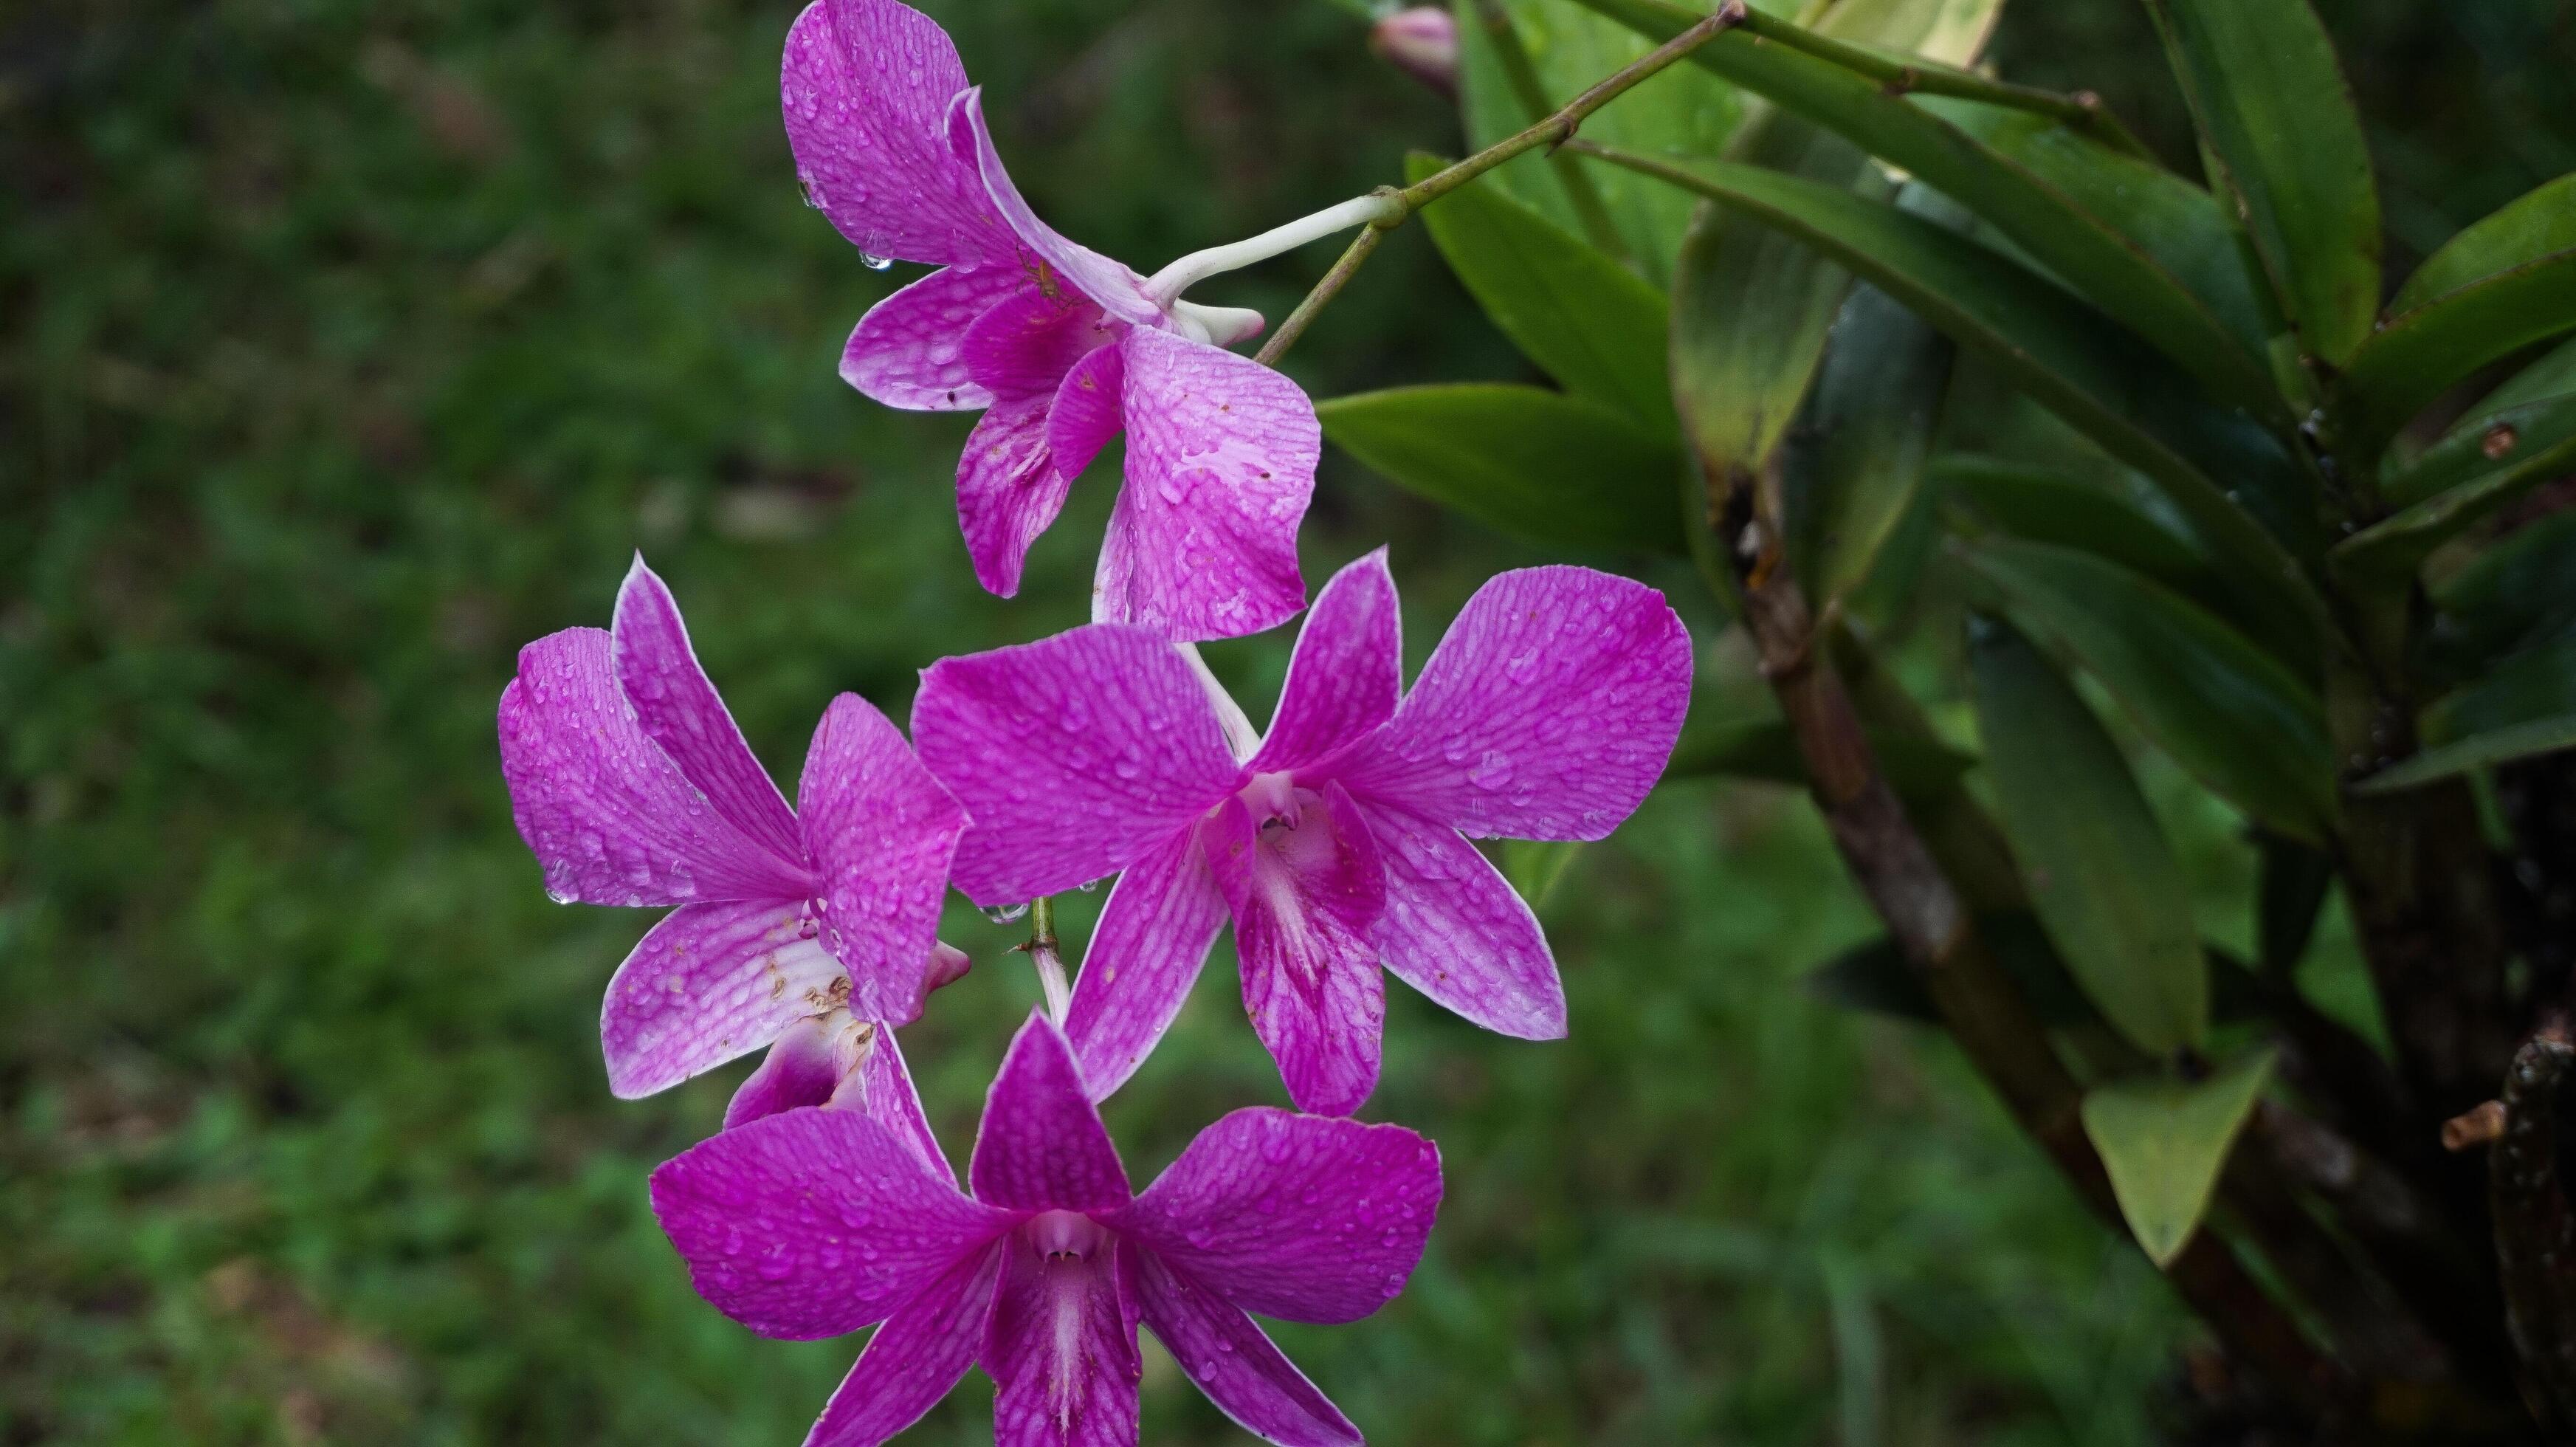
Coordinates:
x,y
1232,1359
1546,713
1088,410
1305,1218
888,1097
881,832
1116,288
679,710
1306,901
1456,930
1062,1349
710,982
1042,1146
921,1352
1008,490
608,815
1346,674
908,351
865,88
1221,456
802,1068
1154,935
1074,756
814,1223
1022,347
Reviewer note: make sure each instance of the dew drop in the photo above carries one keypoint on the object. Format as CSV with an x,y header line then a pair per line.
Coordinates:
x,y
1004,914
1492,771
874,262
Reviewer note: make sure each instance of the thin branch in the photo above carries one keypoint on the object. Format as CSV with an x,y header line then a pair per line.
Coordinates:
x,y
1522,73
2535,1229
1339,276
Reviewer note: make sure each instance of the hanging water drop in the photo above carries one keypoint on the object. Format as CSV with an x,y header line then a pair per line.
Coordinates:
x,y
1004,914
874,262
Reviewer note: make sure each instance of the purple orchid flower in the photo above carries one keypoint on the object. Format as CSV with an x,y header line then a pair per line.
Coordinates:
x,y
631,782
815,1223
1060,346
1338,841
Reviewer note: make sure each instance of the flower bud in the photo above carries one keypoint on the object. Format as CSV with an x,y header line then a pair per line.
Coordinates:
x,y
1423,43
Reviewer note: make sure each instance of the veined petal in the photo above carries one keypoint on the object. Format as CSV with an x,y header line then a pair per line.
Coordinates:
x,y
607,813
1074,757
1042,1146
881,833
1456,930
708,983
1221,454
679,709
1021,347
909,350
1008,490
1301,1217
1062,1350
1051,260
815,1222
1154,934
1547,712
891,1100
865,88
1088,410
1306,900
1346,674
1232,1359
916,1358
803,1067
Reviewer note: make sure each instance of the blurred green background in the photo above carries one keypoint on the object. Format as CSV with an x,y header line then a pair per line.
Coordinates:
x,y
349,346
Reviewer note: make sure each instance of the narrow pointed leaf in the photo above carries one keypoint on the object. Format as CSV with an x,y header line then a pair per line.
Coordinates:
x,y
1948,32
2080,248
2102,879
2540,223
1554,469
2288,895
2530,684
2164,1143
2515,592
2469,477
2421,353
2279,128
2553,375
2499,441
1855,465
1583,318
2477,751
2226,711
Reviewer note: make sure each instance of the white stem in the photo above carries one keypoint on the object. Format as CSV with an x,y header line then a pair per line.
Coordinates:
x,y
1166,286
1239,734
1051,981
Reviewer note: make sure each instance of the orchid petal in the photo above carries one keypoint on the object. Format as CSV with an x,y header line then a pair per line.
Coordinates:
x,y
881,832
1346,674
908,350
1088,410
1306,900
802,1068
1153,936
1021,348
916,1358
708,983
1232,1359
1008,490
814,1223
1042,1146
865,88
1221,455
889,1098
1457,931
1117,289
1074,757
680,710
607,813
1547,712
1300,1217
1062,1351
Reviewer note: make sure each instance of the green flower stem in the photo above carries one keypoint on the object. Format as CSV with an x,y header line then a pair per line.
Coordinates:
x,y
1522,73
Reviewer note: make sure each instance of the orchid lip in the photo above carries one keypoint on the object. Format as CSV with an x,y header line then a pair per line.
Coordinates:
x,y
1065,1235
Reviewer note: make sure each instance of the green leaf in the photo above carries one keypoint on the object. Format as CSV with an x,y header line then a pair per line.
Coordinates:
x,y
1557,470
2077,246
2422,353
1855,464
2539,224
2514,592
2278,128
2290,892
2102,879
2554,375
2038,505
2463,479
2477,751
2230,714
2534,683
1537,866
1950,32
2164,1142
1583,318
1766,750
2052,346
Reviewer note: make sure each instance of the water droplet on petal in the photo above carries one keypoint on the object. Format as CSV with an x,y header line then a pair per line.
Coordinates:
x,y
874,262
1492,771
1004,914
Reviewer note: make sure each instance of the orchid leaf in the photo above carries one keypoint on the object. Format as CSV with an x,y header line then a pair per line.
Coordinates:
x,y
2282,139
1854,466
2516,591
2230,714
2289,893
2553,375
2497,441
2102,879
2477,751
2530,684
2468,477
1583,318
1558,470
2080,248
2539,223
2164,1142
